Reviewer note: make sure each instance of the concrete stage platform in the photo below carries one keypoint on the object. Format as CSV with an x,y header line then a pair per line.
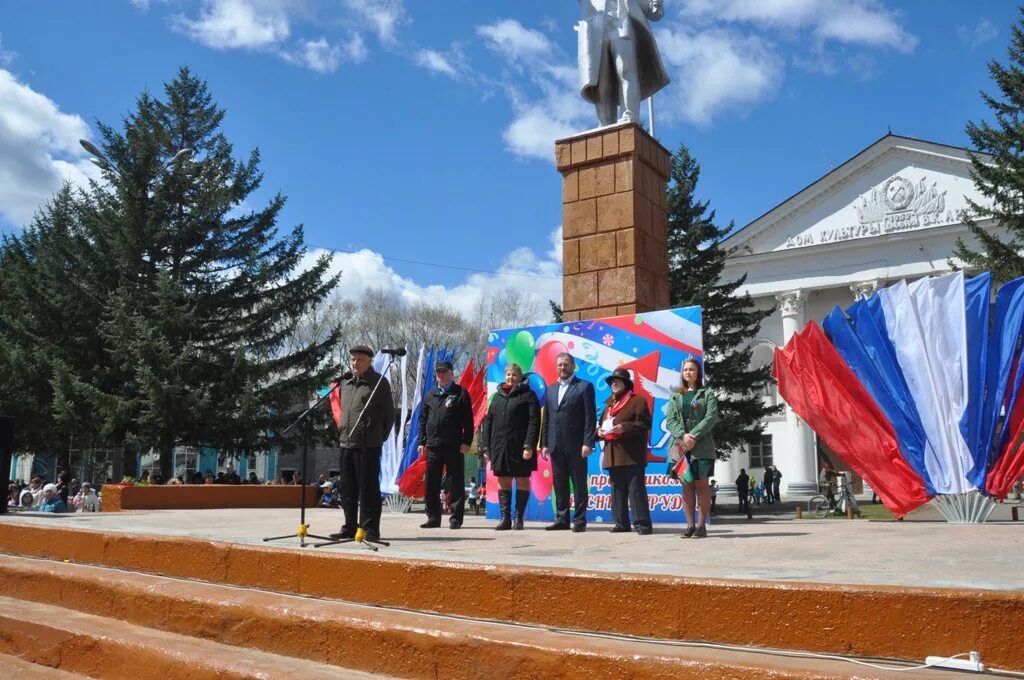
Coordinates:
x,y
926,552
893,590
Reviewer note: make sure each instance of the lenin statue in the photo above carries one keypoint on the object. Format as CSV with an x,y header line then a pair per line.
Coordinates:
x,y
618,57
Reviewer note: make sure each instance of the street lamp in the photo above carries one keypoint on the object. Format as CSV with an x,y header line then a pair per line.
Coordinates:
x,y
102,161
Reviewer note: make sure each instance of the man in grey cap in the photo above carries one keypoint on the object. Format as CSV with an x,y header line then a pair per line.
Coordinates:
x,y
364,426
445,433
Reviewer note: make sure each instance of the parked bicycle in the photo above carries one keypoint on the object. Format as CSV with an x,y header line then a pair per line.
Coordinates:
x,y
821,505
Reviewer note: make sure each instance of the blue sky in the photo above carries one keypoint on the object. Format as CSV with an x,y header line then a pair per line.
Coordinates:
x,y
422,130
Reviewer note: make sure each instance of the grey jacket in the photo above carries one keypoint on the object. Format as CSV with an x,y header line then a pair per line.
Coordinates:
x,y
379,417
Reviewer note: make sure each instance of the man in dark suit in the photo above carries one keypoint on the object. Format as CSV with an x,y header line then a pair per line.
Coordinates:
x,y
743,489
768,485
568,438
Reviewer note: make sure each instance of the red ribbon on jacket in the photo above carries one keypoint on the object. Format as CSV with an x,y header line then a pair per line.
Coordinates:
x,y
614,409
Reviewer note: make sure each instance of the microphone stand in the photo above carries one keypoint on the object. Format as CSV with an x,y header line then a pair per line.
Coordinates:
x,y
303,531
360,536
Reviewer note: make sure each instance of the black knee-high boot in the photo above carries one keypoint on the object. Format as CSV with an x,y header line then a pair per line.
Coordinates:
x,y
505,503
522,499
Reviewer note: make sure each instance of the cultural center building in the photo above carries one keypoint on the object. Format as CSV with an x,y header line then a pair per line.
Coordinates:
x,y
894,211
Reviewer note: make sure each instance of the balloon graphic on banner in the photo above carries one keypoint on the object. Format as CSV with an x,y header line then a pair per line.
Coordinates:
x,y
544,362
492,486
541,480
538,386
520,350
496,371
599,346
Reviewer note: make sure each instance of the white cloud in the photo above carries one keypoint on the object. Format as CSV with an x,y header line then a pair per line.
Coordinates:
x,y
6,56
537,276
715,70
276,27
432,60
513,41
982,32
39,149
355,49
534,131
382,17
864,22
320,55
554,109
722,55
229,24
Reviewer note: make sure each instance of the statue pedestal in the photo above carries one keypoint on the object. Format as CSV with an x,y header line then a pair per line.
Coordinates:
x,y
615,258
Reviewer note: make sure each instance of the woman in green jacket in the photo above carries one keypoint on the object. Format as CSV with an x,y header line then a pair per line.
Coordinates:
x,y
691,415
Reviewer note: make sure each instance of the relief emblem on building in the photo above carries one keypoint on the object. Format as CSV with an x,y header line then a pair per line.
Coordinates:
x,y
897,204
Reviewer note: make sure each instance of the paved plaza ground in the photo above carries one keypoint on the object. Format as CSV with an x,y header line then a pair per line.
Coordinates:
x,y
922,551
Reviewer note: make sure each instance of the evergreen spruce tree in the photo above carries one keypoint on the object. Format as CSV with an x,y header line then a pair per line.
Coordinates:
x,y
1003,181
696,262
48,325
188,300
556,311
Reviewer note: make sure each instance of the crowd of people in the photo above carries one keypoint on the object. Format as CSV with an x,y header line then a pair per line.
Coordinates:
x,y
64,494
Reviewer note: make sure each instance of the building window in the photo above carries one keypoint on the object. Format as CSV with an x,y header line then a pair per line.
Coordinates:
x,y
186,461
761,453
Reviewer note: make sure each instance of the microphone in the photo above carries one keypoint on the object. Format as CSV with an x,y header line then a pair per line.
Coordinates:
x,y
399,352
344,376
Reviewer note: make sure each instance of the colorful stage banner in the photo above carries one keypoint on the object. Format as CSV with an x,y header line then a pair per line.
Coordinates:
x,y
651,345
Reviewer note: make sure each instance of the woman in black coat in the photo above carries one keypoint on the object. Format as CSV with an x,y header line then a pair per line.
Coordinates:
x,y
509,439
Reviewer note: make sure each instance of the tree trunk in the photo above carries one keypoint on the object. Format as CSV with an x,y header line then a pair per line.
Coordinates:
x,y
166,461
129,464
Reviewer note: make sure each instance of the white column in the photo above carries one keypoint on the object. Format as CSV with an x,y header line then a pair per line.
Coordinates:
x,y
725,474
795,458
862,291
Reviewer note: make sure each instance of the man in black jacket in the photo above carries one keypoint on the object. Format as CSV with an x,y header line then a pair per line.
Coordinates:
x,y
768,478
364,427
568,438
743,489
445,433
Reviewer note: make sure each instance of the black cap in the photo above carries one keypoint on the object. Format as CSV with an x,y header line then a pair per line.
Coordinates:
x,y
361,349
620,374
443,366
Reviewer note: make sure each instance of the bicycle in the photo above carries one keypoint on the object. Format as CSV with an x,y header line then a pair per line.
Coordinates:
x,y
820,506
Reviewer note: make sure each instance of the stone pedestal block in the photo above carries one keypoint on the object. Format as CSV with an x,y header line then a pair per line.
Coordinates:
x,y
614,225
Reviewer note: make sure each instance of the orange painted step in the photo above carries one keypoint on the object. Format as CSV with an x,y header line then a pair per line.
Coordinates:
x,y
109,649
15,668
396,642
866,620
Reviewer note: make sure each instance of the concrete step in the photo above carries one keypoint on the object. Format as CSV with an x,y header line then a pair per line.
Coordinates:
x,y
160,624
15,668
867,620
52,637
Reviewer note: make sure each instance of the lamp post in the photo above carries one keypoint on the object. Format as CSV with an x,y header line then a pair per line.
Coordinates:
x,y
100,159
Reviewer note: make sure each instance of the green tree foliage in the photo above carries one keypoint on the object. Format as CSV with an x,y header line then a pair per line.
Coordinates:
x,y
731,321
47,328
1002,181
556,311
189,297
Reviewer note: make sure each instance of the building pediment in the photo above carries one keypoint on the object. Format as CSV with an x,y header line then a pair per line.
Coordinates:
x,y
896,185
